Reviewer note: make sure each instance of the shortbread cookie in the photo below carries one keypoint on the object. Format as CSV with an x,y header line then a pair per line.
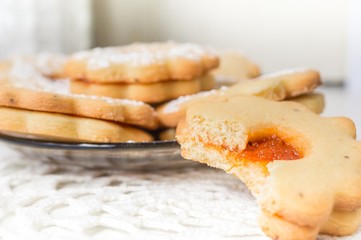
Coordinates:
x,y
118,110
277,86
171,112
66,127
234,67
302,168
313,101
167,134
149,93
141,63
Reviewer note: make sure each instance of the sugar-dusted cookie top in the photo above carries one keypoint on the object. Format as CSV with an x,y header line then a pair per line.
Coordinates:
x,y
117,110
304,169
141,62
44,64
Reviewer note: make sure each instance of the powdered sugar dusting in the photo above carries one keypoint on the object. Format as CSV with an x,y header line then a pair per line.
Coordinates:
x,y
49,63
284,72
25,74
189,51
46,63
173,106
110,100
138,54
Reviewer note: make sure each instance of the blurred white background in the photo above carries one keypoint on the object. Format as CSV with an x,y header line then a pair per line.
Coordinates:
x,y
322,34
28,26
277,34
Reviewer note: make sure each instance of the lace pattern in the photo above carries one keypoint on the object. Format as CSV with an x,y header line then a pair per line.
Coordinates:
x,y
50,201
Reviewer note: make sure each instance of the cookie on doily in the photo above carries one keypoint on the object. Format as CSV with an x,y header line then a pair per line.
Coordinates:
x,y
302,168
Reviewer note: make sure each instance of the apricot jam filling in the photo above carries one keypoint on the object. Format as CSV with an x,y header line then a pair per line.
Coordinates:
x,y
260,151
268,149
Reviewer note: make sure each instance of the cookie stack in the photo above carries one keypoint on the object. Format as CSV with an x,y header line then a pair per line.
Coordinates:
x,y
33,104
150,73
98,100
108,92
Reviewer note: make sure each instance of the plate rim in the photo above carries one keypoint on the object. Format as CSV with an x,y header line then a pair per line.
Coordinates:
x,y
51,144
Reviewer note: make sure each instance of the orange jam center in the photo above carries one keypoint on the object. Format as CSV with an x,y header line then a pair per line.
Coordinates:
x,y
268,149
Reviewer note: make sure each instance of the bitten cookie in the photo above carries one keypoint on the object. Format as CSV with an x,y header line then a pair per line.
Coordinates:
x,y
66,127
149,93
118,110
277,86
141,63
303,169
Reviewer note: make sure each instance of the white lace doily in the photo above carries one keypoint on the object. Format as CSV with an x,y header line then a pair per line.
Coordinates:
x,y
43,201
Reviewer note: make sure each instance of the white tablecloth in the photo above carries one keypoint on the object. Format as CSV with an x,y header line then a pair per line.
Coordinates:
x,y
44,201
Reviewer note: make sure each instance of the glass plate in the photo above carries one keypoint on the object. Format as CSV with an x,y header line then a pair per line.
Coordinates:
x,y
125,156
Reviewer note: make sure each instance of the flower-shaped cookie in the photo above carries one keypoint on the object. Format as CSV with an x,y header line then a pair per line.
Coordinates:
x,y
304,169
141,63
